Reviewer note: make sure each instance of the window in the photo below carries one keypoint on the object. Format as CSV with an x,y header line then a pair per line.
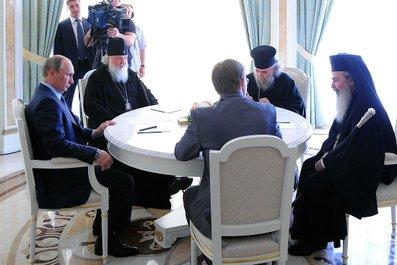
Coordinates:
x,y
366,28
185,39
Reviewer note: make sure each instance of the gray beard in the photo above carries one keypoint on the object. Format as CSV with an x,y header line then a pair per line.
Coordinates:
x,y
118,75
264,84
342,102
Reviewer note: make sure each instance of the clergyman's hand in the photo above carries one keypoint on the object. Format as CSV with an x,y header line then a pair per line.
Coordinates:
x,y
318,165
98,132
264,100
104,160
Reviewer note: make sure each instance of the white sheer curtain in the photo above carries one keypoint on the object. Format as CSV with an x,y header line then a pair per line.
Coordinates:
x,y
368,32
185,39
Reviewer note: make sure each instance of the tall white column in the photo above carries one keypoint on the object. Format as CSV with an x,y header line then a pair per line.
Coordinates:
x,y
8,134
3,85
275,23
291,32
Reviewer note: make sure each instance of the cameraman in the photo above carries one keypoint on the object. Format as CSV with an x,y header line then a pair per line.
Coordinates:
x,y
127,32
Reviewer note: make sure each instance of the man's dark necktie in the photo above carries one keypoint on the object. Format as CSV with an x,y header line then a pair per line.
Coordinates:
x,y
80,40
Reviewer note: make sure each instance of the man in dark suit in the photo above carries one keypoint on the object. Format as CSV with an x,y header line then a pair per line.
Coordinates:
x,y
56,132
69,42
234,115
269,84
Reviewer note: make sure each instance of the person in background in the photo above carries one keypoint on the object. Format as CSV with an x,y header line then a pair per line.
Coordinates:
x,y
343,176
69,42
56,132
114,89
269,84
126,32
137,50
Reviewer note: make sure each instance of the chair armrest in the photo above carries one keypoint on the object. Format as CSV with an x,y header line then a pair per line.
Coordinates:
x,y
97,187
390,159
59,163
65,163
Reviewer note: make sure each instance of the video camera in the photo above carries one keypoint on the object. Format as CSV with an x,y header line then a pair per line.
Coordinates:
x,y
103,15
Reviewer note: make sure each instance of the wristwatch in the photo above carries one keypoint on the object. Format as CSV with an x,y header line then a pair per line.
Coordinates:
x,y
97,154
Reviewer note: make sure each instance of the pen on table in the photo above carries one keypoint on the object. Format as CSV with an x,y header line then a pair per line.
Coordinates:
x,y
283,122
158,110
168,112
148,128
141,132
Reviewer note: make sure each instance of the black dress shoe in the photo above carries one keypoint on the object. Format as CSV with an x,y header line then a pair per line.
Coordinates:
x,y
97,227
305,249
115,249
181,183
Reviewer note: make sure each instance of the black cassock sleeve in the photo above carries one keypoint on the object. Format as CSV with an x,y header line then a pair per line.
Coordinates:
x,y
356,168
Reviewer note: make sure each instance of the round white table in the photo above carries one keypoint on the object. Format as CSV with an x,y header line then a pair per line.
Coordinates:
x,y
154,152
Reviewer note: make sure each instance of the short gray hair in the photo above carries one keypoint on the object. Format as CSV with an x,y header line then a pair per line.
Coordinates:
x,y
277,69
226,76
68,1
54,62
105,59
347,74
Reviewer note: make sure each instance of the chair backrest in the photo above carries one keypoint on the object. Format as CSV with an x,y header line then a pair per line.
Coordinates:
x,y
82,85
301,81
18,108
395,129
251,187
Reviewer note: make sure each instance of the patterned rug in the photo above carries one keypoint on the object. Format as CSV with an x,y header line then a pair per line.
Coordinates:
x,y
66,238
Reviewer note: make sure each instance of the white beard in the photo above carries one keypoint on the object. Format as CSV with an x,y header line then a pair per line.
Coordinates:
x,y
342,102
119,75
264,84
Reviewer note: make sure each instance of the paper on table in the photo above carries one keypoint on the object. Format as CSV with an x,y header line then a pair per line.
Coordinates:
x,y
286,125
148,121
165,109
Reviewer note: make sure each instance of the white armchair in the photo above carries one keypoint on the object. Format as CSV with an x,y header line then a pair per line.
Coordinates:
x,y
99,198
386,196
301,81
251,193
82,85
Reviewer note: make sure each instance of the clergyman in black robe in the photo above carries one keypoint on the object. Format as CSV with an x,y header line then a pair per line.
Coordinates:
x,y
114,89
344,175
268,84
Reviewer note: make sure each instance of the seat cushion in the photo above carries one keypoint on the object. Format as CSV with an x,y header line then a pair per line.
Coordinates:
x,y
387,194
234,249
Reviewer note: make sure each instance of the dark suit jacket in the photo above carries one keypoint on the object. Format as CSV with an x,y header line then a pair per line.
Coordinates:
x,y
231,117
56,132
65,42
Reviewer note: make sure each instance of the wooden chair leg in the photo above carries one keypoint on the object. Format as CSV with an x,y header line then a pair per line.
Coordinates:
x,y
33,224
393,215
104,224
346,241
193,252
